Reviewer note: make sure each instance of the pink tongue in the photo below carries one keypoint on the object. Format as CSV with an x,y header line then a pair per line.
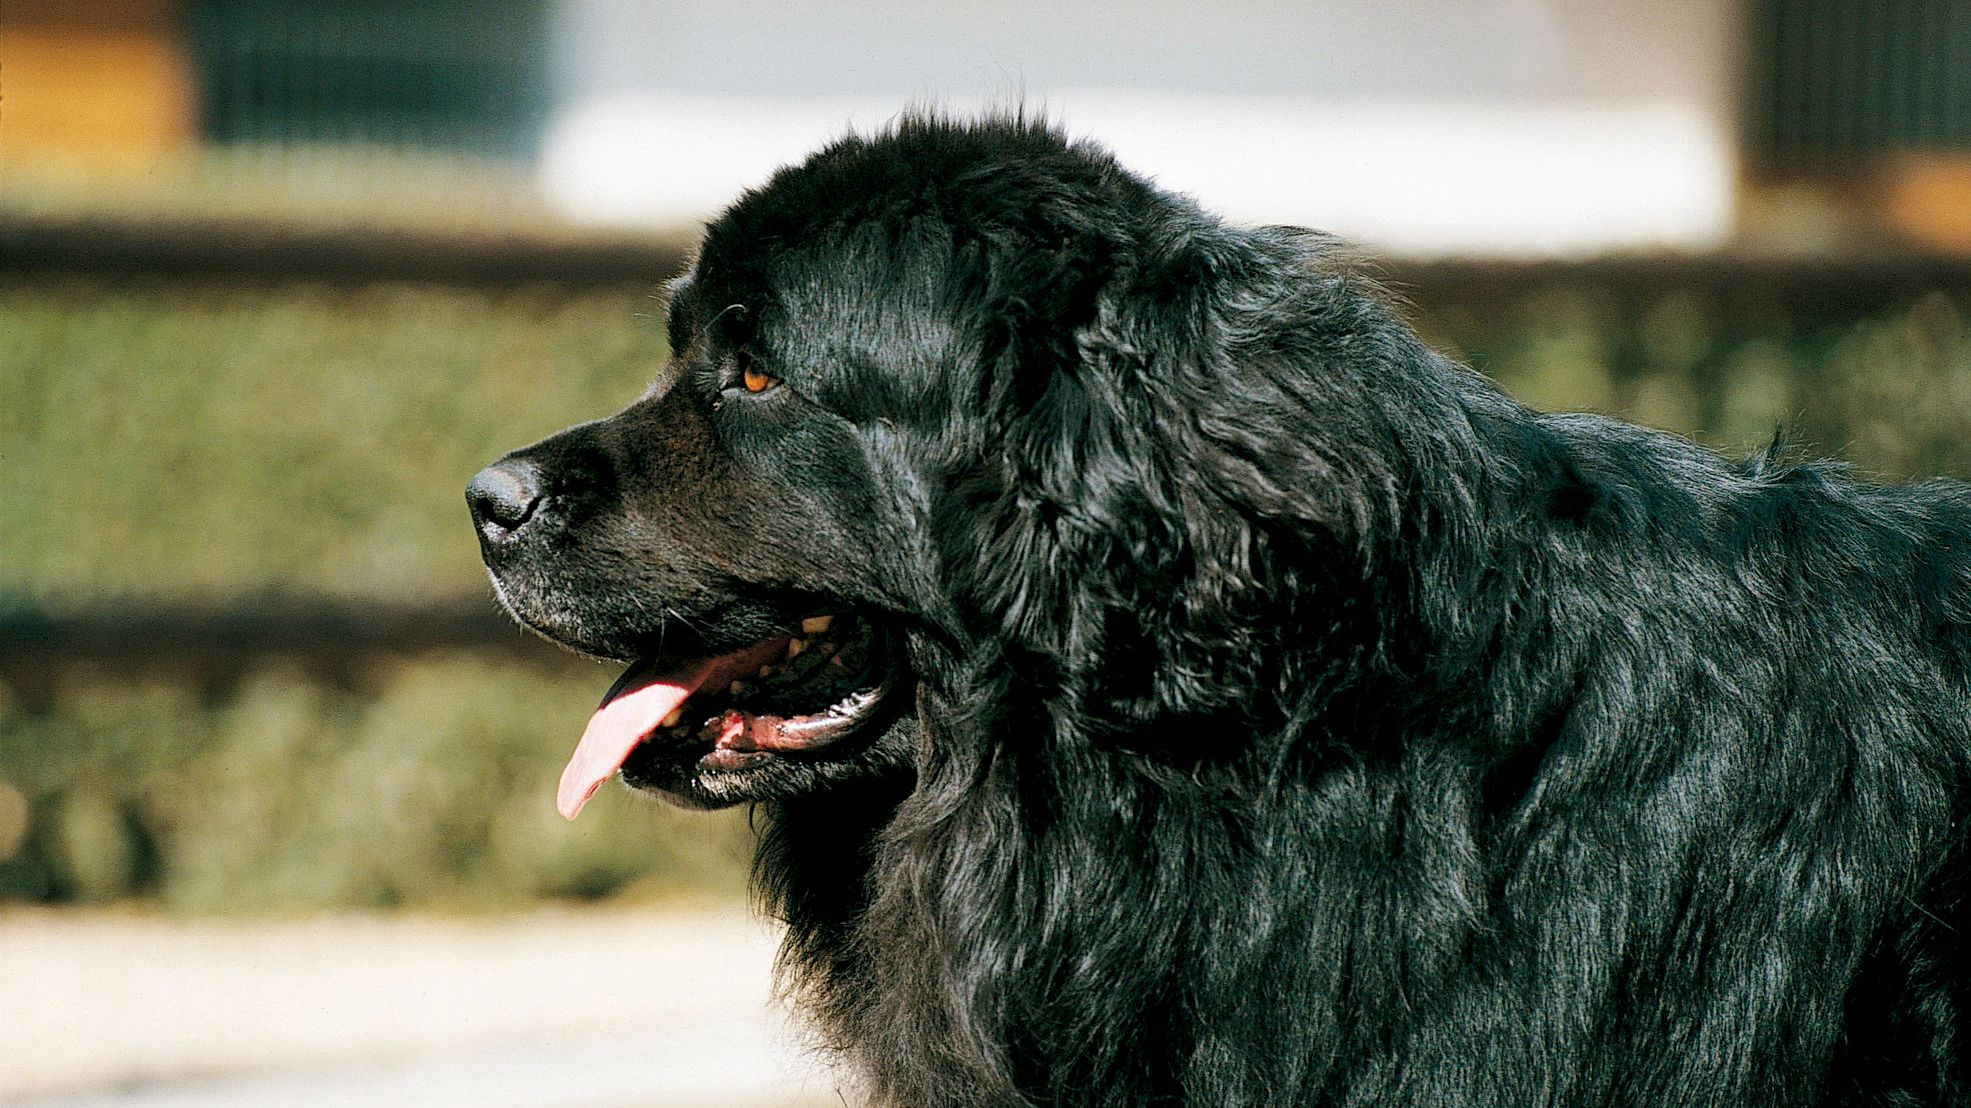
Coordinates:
x,y
635,705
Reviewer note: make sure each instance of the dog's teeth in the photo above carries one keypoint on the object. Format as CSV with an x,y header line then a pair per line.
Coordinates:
x,y
815,625
795,646
671,720
737,687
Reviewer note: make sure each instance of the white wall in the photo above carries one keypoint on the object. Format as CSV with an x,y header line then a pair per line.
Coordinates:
x,y
1504,127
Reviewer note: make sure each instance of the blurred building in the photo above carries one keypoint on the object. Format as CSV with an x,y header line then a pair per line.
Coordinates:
x,y
1490,127
130,81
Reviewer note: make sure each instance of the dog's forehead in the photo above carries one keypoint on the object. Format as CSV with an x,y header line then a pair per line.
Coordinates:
x,y
871,268
839,284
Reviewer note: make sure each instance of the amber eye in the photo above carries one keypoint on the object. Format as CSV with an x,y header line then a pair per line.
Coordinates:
x,y
755,381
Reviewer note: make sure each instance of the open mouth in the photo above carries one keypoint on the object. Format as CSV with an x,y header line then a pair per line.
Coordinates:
x,y
794,693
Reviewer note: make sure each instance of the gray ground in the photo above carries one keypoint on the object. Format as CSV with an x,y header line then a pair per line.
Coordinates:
x,y
561,1009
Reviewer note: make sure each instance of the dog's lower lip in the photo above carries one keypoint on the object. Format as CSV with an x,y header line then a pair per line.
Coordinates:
x,y
725,760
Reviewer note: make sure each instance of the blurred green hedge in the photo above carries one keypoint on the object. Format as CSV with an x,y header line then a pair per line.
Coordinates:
x,y
428,781
1887,390
188,441
197,441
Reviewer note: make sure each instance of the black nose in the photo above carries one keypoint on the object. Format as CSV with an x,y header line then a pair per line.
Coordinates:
x,y
503,497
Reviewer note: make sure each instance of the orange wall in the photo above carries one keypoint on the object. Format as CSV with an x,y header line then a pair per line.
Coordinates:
x,y
106,82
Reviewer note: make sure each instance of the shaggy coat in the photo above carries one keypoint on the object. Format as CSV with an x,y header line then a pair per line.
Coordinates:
x,y
1297,719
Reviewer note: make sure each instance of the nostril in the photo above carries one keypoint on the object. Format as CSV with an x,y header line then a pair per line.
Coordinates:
x,y
503,496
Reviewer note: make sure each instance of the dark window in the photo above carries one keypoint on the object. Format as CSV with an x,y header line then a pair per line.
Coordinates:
x,y
1835,77
466,75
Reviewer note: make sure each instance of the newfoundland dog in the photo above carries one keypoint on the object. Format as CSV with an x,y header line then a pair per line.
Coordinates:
x,y
1164,681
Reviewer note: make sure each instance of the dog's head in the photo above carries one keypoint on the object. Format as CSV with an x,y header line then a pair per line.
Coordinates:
x,y
961,397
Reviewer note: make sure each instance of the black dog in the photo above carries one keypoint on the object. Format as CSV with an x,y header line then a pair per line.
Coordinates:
x,y
1165,681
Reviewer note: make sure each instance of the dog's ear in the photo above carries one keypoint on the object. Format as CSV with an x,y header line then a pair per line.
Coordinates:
x,y
1179,475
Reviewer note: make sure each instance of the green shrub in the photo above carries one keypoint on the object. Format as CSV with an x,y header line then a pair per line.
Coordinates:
x,y
429,782
198,441
1890,392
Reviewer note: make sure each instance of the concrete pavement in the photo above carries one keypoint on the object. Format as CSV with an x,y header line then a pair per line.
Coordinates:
x,y
566,1008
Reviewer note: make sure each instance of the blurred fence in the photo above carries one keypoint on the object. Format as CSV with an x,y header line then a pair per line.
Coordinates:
x,y
275,253
247,658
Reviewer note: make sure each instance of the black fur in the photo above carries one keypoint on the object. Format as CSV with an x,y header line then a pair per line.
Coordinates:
x,y
1298,719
